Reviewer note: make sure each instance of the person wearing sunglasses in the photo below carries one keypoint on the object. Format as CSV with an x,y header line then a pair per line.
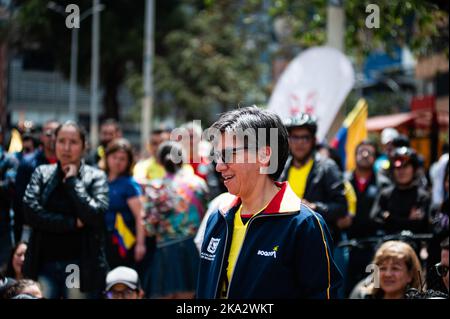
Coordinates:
x,y
442,266
263,242
405,204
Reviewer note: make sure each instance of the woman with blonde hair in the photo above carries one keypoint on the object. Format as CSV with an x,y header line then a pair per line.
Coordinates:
x,y
398,270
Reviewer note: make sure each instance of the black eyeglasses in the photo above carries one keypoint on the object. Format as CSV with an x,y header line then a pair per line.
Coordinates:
x,y
227,154
300,138
441,270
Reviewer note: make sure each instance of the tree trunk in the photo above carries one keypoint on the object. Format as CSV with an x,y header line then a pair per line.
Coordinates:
x,y
113,79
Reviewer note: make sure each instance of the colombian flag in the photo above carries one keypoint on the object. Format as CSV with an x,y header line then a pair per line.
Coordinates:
x,y
352,132
122,236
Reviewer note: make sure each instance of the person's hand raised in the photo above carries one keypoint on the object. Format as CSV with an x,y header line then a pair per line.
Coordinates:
x,y
69,170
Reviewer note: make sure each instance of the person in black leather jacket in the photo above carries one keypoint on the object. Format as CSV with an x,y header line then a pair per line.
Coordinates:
x,y
323,183
65,205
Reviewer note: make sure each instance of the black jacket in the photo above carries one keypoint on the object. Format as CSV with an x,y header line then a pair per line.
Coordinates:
x,y
89,195
325,188
398,203
363,225
286,253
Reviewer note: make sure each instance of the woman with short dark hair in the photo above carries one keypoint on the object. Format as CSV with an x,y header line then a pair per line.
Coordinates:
x,y
263,243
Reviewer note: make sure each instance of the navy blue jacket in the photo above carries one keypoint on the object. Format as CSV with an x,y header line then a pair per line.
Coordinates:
x,y
286,253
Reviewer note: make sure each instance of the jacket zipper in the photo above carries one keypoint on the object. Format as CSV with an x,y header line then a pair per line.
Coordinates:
x,y
223,255
243,241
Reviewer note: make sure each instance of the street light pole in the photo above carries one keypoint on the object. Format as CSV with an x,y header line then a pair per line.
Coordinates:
x,y
74,54
73,75
147,105
95,75
336,24
335,39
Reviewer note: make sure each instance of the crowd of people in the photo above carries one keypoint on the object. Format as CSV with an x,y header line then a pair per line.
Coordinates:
x,y
211,225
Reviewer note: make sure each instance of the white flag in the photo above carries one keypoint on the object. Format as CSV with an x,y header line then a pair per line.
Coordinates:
x,y
315,82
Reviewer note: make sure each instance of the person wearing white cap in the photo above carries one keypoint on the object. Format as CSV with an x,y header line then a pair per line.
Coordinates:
x,y
123,283
387,137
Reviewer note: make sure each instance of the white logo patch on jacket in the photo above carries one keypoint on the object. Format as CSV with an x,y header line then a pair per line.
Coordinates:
x,y
272,253
210,253
213,243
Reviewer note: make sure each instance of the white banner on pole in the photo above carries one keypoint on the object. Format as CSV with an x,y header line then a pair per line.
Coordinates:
x,y
315,82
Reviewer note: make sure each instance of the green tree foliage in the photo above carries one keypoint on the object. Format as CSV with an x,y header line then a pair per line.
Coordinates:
x,y
121,44
212,55
417,23
420,25
211,65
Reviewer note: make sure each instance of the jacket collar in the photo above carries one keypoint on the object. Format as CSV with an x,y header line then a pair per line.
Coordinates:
x,y
285,201
313,173
56,178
